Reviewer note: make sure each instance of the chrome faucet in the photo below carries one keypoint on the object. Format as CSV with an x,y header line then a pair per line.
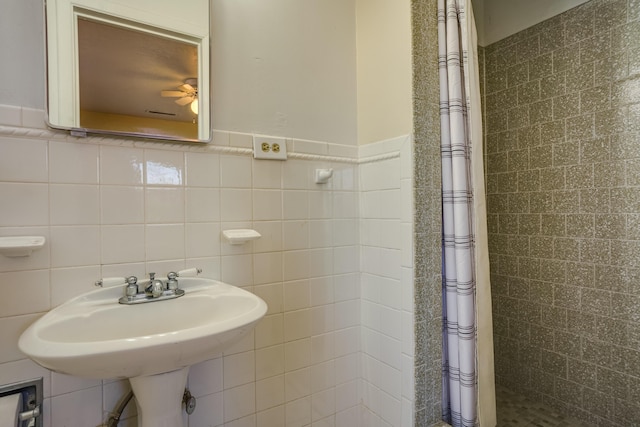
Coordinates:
x,y
154,289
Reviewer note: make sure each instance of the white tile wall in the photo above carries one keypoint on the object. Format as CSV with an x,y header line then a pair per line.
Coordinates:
x,y
28,162
24,204
123,243
239,369
271,417
337,332
164,205
386,246
15,285
267,174
269,362
73,163
235,172
74,204
235,204
79,406
163,167
75,245
122,204
298,412
203,169
69,282
121,165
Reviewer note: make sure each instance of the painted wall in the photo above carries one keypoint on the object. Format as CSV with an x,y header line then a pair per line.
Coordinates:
x,y
22,72
268,62
497,19
478,13
384,69
285,67
562,135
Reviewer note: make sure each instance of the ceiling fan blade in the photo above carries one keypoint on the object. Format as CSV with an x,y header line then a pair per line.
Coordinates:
x,y
184,101
173,93
186,88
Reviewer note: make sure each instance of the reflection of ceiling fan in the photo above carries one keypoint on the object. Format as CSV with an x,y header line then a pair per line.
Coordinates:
x,y
186,94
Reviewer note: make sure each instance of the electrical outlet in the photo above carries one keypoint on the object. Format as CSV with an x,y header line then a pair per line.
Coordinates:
x,y
269,148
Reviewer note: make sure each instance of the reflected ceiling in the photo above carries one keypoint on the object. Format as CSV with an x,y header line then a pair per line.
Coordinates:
x,y
123,71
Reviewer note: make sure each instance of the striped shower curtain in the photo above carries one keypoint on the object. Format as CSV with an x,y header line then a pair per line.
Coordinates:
x,y
468,385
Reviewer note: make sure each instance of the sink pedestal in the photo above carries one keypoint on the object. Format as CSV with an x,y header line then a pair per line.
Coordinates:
x,y
159,398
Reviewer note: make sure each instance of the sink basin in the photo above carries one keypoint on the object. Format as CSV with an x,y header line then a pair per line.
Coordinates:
x,y
152,344
93,336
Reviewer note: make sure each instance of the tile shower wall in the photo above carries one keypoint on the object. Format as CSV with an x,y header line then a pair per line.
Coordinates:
x,y
427,214
386,261
115,207
562,124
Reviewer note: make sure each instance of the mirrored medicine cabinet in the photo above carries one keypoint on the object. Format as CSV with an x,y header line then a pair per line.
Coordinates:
x,y
129,67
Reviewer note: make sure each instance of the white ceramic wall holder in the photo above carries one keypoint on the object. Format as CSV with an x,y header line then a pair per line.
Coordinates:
x,y
323,175
240,236
19,246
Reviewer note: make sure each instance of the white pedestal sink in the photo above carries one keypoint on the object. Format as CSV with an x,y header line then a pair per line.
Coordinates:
x,y
159,398
152,344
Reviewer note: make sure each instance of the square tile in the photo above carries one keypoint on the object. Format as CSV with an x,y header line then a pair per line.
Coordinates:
x,y
122,204
164,205
24,204
235,172
163,167
202,169
73,246
72,204
121,165
72,163
23,160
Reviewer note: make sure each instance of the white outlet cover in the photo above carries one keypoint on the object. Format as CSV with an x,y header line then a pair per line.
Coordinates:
x,y
269,155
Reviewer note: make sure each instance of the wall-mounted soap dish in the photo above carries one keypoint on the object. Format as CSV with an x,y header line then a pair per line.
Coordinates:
x,y
240,236
16,246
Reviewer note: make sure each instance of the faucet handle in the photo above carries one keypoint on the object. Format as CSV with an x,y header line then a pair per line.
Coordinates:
x,y
132,286
172,281
152,276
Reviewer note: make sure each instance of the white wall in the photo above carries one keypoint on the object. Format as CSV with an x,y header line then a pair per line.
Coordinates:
x,y
384,69
22,75
285,67
302,364
478,13
502,18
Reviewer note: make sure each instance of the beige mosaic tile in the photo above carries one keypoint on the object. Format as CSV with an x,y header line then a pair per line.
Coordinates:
x,y
427,218
563,174
514,410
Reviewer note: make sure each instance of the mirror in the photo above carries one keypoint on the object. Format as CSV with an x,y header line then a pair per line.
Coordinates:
x,y
136,69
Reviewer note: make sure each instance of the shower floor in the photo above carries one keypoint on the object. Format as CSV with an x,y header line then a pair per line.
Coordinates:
x,y
514,410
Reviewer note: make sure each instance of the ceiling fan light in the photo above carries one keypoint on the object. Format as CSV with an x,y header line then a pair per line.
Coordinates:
x,y
194,106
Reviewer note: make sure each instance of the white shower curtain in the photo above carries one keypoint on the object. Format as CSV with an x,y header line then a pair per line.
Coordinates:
x,y
468,376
